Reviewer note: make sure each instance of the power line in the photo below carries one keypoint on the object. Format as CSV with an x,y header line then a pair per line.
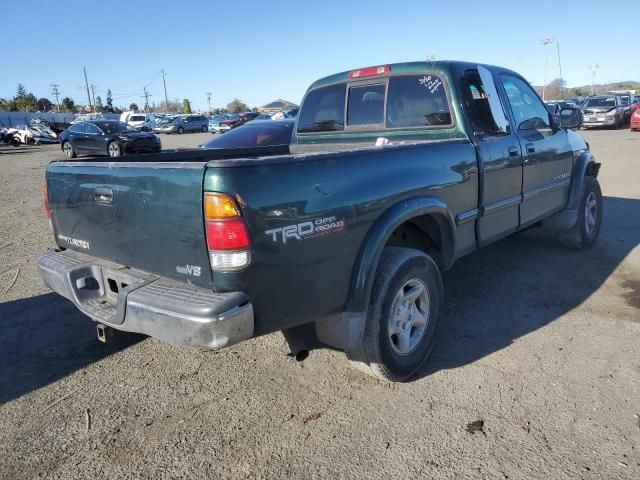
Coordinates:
x,y
54,91
164,82
545,41
86,83
146,99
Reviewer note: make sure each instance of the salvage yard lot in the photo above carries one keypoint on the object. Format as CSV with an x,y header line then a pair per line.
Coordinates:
x,y
538,345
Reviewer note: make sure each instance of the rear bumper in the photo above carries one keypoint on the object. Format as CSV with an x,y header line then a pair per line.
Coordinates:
x,y
136,301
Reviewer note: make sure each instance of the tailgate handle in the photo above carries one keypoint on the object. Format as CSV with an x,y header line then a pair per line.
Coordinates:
x,y
104,195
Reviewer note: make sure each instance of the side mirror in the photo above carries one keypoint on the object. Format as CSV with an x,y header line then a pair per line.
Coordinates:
x,y
570,118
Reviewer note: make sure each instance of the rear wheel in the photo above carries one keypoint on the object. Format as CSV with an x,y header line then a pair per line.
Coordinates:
x,y
587,228
180,130
402,316
114,149
68,150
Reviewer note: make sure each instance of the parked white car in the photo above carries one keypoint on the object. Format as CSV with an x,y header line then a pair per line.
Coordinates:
x,y
142,121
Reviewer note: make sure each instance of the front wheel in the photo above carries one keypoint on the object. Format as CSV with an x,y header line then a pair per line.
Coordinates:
x,y
587,228
204,129
402,316
68,150
180,130
114,149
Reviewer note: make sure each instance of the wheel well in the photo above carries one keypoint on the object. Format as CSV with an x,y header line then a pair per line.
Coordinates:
x,y
592,169
426,233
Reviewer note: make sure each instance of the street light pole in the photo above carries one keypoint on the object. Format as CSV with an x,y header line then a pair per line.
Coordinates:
x,y
593,68
209,100
545,41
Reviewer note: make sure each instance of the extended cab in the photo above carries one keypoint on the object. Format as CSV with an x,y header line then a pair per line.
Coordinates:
x,y
393,173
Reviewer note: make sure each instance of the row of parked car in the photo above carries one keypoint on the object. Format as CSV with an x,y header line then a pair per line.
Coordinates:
x,y
611,110
135,132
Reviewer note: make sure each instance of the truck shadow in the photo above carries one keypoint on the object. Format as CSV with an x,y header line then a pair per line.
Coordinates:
x,y
45,338
520,284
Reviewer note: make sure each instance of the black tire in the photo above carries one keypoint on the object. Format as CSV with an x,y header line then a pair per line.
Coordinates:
x,y
69,151
400,272
180,130
15,141
204,129
587,228
114,149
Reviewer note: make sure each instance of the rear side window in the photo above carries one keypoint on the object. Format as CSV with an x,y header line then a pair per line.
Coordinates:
x,y
417,101
136,118
323,110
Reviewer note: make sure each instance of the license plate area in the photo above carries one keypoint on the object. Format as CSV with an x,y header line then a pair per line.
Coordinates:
x,y
115,281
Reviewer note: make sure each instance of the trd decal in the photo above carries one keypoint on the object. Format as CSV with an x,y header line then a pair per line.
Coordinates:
x,y
311,229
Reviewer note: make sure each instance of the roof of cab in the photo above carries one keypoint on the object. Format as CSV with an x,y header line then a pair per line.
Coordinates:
x,y
406,68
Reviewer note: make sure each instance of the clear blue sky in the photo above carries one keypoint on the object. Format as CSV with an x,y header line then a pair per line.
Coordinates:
x,y
260,50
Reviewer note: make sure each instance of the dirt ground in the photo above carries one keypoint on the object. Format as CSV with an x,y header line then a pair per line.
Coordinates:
x,y
539,345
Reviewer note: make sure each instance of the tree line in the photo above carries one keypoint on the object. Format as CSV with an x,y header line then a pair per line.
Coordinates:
x,y
24,101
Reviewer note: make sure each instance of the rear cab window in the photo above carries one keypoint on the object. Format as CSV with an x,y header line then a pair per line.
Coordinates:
x,y
386,103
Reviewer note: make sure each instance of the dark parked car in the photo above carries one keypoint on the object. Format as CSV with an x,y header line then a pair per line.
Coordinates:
x,y
603,111
258,133
240,119
106,137
192,123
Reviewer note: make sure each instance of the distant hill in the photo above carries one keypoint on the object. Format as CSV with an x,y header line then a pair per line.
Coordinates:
x,y
553,91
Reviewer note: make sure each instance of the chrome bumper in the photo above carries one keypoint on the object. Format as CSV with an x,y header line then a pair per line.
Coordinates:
x,y
135,301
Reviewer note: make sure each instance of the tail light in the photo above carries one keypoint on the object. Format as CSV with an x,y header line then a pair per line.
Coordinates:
x,y
227,234
47,210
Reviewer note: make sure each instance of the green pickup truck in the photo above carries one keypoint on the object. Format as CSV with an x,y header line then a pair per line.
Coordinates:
x,y
393,173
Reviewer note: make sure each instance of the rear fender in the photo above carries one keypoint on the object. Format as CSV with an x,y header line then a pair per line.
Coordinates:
x,y
346,329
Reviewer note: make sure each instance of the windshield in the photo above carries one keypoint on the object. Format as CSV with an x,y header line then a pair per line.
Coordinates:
x,y
114,127
600,102
269,133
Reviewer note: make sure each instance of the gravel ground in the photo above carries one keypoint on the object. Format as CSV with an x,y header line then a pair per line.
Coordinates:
x,y
538,346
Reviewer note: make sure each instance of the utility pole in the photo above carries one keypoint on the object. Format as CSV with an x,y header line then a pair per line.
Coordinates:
x,y
86,83
545,41
146,99
166,99
431,58
593,68
209,100
54,91
560,68
93,94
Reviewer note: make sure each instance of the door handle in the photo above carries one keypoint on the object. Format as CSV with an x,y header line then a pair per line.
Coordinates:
x,y
514,151
104,195
530,148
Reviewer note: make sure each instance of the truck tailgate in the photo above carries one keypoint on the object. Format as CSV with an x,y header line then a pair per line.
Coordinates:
x,y
143,215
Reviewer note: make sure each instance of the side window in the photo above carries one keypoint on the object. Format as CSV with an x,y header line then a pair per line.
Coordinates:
x,y
417,101
529,112
323,110
476,101
366,105
77,128
92,129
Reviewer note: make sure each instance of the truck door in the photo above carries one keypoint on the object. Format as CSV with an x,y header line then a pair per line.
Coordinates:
x,y
499,157
547,155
